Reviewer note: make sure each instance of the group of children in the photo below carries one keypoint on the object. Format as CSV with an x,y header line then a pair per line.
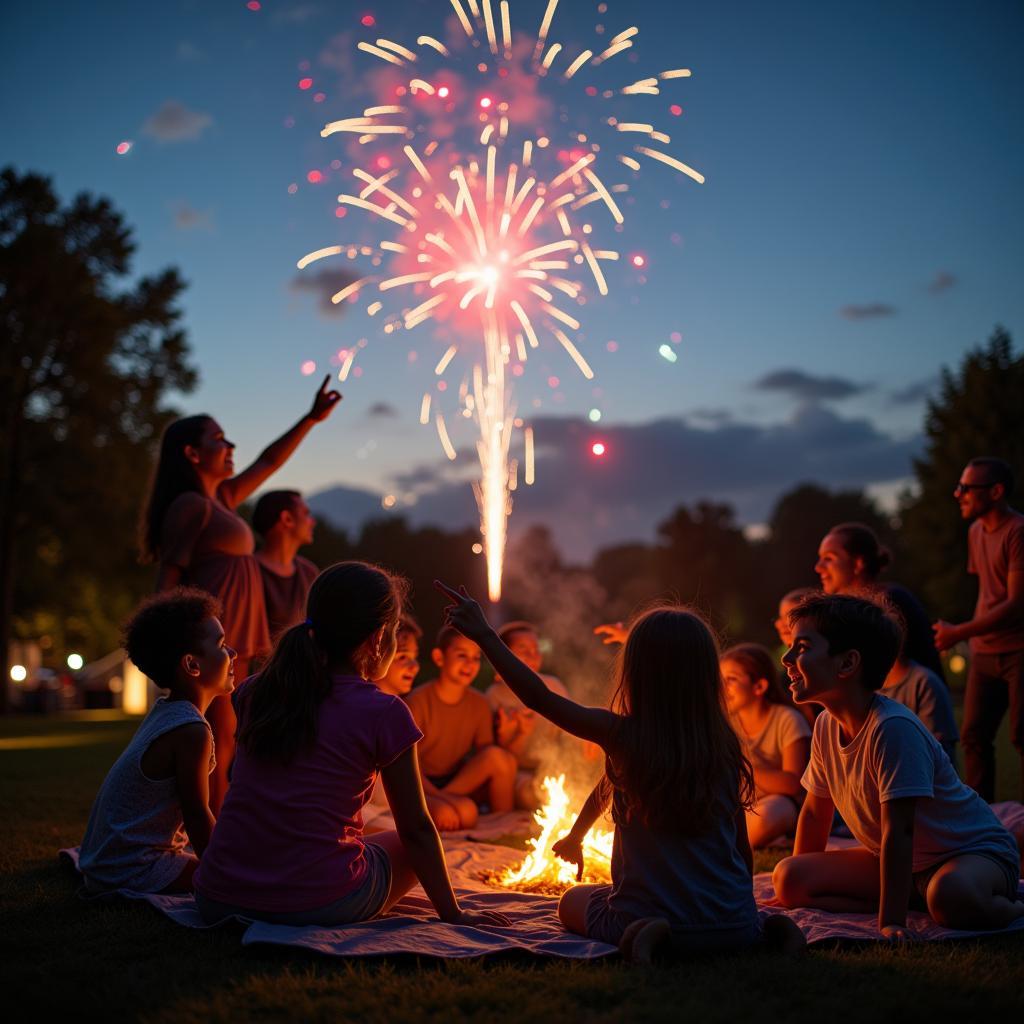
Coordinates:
x,y
705,754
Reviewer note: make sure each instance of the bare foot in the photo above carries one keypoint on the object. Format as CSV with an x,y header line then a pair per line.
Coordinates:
x,y
641,939
783,935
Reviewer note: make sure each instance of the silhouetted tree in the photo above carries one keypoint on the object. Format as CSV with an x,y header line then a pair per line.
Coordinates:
x,y
979,411
86,363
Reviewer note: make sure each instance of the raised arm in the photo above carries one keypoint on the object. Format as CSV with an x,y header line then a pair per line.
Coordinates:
x,y
595,724
234,491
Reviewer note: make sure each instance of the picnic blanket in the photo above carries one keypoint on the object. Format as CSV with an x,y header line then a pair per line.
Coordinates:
x,y
412,926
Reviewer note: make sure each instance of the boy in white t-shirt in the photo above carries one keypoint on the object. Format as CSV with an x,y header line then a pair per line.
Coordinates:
x,y
926,838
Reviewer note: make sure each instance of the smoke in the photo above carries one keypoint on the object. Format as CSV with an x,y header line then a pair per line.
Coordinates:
x,y
565,604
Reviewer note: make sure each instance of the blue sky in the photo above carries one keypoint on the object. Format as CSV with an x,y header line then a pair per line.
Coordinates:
x,y
861,157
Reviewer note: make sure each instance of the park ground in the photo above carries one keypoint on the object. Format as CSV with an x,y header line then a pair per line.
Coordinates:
x,y
123,961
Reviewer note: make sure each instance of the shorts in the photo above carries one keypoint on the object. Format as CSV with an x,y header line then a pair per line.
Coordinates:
x,y
607,925
440,781
922,879
362,904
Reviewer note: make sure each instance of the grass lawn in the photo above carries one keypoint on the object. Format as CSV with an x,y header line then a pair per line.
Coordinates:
x,y
63,956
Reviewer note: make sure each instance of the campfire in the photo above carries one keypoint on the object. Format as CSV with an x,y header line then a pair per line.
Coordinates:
x,y
541,871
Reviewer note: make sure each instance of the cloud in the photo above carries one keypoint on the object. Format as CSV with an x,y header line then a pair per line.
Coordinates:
x,y
188,218
869,311
324,283
174,122
942,282
189,52
651,468
806,387
382,410
916,391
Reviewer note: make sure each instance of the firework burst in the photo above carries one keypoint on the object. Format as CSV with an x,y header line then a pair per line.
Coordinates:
x,y
486,237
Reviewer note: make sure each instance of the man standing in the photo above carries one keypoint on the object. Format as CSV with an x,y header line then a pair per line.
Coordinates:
x,y
996,632
285,523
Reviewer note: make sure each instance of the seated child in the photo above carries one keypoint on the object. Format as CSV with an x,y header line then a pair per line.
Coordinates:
x,y
677,782
927,839
918,688
397,682
460,761
518,729
776,739
787,603
134,839
314,732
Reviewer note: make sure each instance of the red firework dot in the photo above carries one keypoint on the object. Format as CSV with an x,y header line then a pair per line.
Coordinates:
x,y
368,21
591,90
305,83
341,212
253,5
675,110
314,177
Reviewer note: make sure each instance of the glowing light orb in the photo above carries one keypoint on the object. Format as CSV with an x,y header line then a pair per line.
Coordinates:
x,y
638,260
305,83
124,147
368,20
19,673
253,5
666,353
598,448
443,91
315,177
308,368
486,101
594,415
957,663
75,662
389,501
477,549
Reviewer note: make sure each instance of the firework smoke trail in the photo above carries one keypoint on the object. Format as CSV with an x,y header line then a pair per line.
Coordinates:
x,y
483,237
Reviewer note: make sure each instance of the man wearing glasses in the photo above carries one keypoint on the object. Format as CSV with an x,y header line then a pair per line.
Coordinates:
x,y
995,682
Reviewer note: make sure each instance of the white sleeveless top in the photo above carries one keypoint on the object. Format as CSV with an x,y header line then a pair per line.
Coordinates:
x,y
134,839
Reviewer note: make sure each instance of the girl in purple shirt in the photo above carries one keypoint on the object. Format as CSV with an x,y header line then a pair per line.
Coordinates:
x,y
314,732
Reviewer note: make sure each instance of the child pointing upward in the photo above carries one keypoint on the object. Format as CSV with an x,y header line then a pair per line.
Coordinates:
x,y
678,785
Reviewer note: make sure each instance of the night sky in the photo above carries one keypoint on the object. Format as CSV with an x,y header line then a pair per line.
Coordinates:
x,y
860,227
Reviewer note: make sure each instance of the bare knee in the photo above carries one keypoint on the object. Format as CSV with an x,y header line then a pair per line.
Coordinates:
x,y
572,909
953,901
446,817
788,882
498,761
465,807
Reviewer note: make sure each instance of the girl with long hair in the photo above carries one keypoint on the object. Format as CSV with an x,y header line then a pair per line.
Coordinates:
x,y
678,784
775,737
190,528
314,733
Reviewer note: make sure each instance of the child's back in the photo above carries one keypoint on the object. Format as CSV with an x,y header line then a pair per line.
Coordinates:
x,y
923,692
697,883
288,839
134,839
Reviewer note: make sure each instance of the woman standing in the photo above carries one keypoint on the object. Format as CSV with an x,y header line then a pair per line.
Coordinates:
x,y
191,529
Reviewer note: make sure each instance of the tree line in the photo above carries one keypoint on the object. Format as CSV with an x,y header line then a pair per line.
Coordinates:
x,y
91,358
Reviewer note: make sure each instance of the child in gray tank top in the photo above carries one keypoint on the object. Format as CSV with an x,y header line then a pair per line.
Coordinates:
x,y
154,801
678,784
